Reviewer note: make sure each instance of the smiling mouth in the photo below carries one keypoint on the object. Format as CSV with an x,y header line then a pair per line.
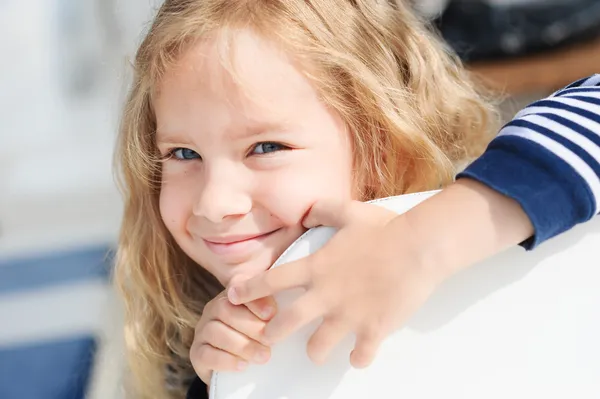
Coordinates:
x,y
236,239
235,244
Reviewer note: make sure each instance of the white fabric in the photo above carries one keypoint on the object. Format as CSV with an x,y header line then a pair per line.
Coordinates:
x,y
521,325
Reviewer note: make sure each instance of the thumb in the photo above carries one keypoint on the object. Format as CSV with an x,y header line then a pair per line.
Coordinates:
x,y
263,308
327,212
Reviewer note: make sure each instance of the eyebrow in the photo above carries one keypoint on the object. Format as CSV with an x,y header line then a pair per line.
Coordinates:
x,y
257,129
251,129
165,137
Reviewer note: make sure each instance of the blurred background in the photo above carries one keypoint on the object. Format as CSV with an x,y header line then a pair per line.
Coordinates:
x,y
63,77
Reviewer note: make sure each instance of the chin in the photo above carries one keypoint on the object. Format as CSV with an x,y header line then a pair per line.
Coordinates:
x,y
251,265
248,270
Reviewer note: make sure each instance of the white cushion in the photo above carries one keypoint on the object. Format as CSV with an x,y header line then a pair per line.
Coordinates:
x,y
520,325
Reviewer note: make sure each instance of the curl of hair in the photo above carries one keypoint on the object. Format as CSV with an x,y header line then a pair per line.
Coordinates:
x,y
413,112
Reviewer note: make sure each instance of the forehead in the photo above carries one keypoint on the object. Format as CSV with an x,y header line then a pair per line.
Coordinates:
x,y
252,75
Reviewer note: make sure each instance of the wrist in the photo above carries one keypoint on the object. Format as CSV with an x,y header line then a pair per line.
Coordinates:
x,y
424,248
464,224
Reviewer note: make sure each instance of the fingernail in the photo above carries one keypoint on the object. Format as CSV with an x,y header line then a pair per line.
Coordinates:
x,y
261,356
266,312
233,296
242,365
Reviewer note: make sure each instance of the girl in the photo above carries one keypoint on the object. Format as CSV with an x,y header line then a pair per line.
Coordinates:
x,y
246,115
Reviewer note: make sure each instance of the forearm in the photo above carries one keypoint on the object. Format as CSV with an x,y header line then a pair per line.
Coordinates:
x,y
548,160
465,223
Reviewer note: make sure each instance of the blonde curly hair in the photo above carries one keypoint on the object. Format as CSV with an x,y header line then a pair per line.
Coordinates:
x,y
413,112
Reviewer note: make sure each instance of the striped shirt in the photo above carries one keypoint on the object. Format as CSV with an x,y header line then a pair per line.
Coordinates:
x,y
548,159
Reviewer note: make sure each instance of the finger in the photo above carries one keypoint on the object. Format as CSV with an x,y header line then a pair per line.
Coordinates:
x,y
339,214
263,308
208,308
205,359
332,213
291,275
221,336
239,318
304,310
325,339
237,279
365,349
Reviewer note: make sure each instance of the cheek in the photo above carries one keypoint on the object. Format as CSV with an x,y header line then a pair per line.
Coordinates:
x,y
174,207
283,197
289,196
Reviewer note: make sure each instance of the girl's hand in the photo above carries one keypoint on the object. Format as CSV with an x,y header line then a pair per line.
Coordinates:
x,y
228,337
381,267
358,282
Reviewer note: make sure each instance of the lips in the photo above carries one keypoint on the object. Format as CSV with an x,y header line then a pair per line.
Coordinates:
x,y
235,245
233,239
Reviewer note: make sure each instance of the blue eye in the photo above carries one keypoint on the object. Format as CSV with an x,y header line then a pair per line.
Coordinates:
x,y
185,154
268,147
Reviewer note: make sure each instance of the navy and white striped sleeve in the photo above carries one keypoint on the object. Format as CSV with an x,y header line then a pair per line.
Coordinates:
x,y
548,159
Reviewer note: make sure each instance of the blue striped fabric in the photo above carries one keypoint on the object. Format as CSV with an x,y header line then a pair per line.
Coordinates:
x,y
49,367
548,159
58,369
58,267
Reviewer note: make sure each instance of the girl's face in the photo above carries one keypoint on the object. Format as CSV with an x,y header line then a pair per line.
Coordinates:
x,y
244,161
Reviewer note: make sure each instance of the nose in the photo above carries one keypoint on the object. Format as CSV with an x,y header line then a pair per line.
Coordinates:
x,y
223,194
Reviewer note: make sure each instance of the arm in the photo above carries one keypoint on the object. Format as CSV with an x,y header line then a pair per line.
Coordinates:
x,y
547,159
539,178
